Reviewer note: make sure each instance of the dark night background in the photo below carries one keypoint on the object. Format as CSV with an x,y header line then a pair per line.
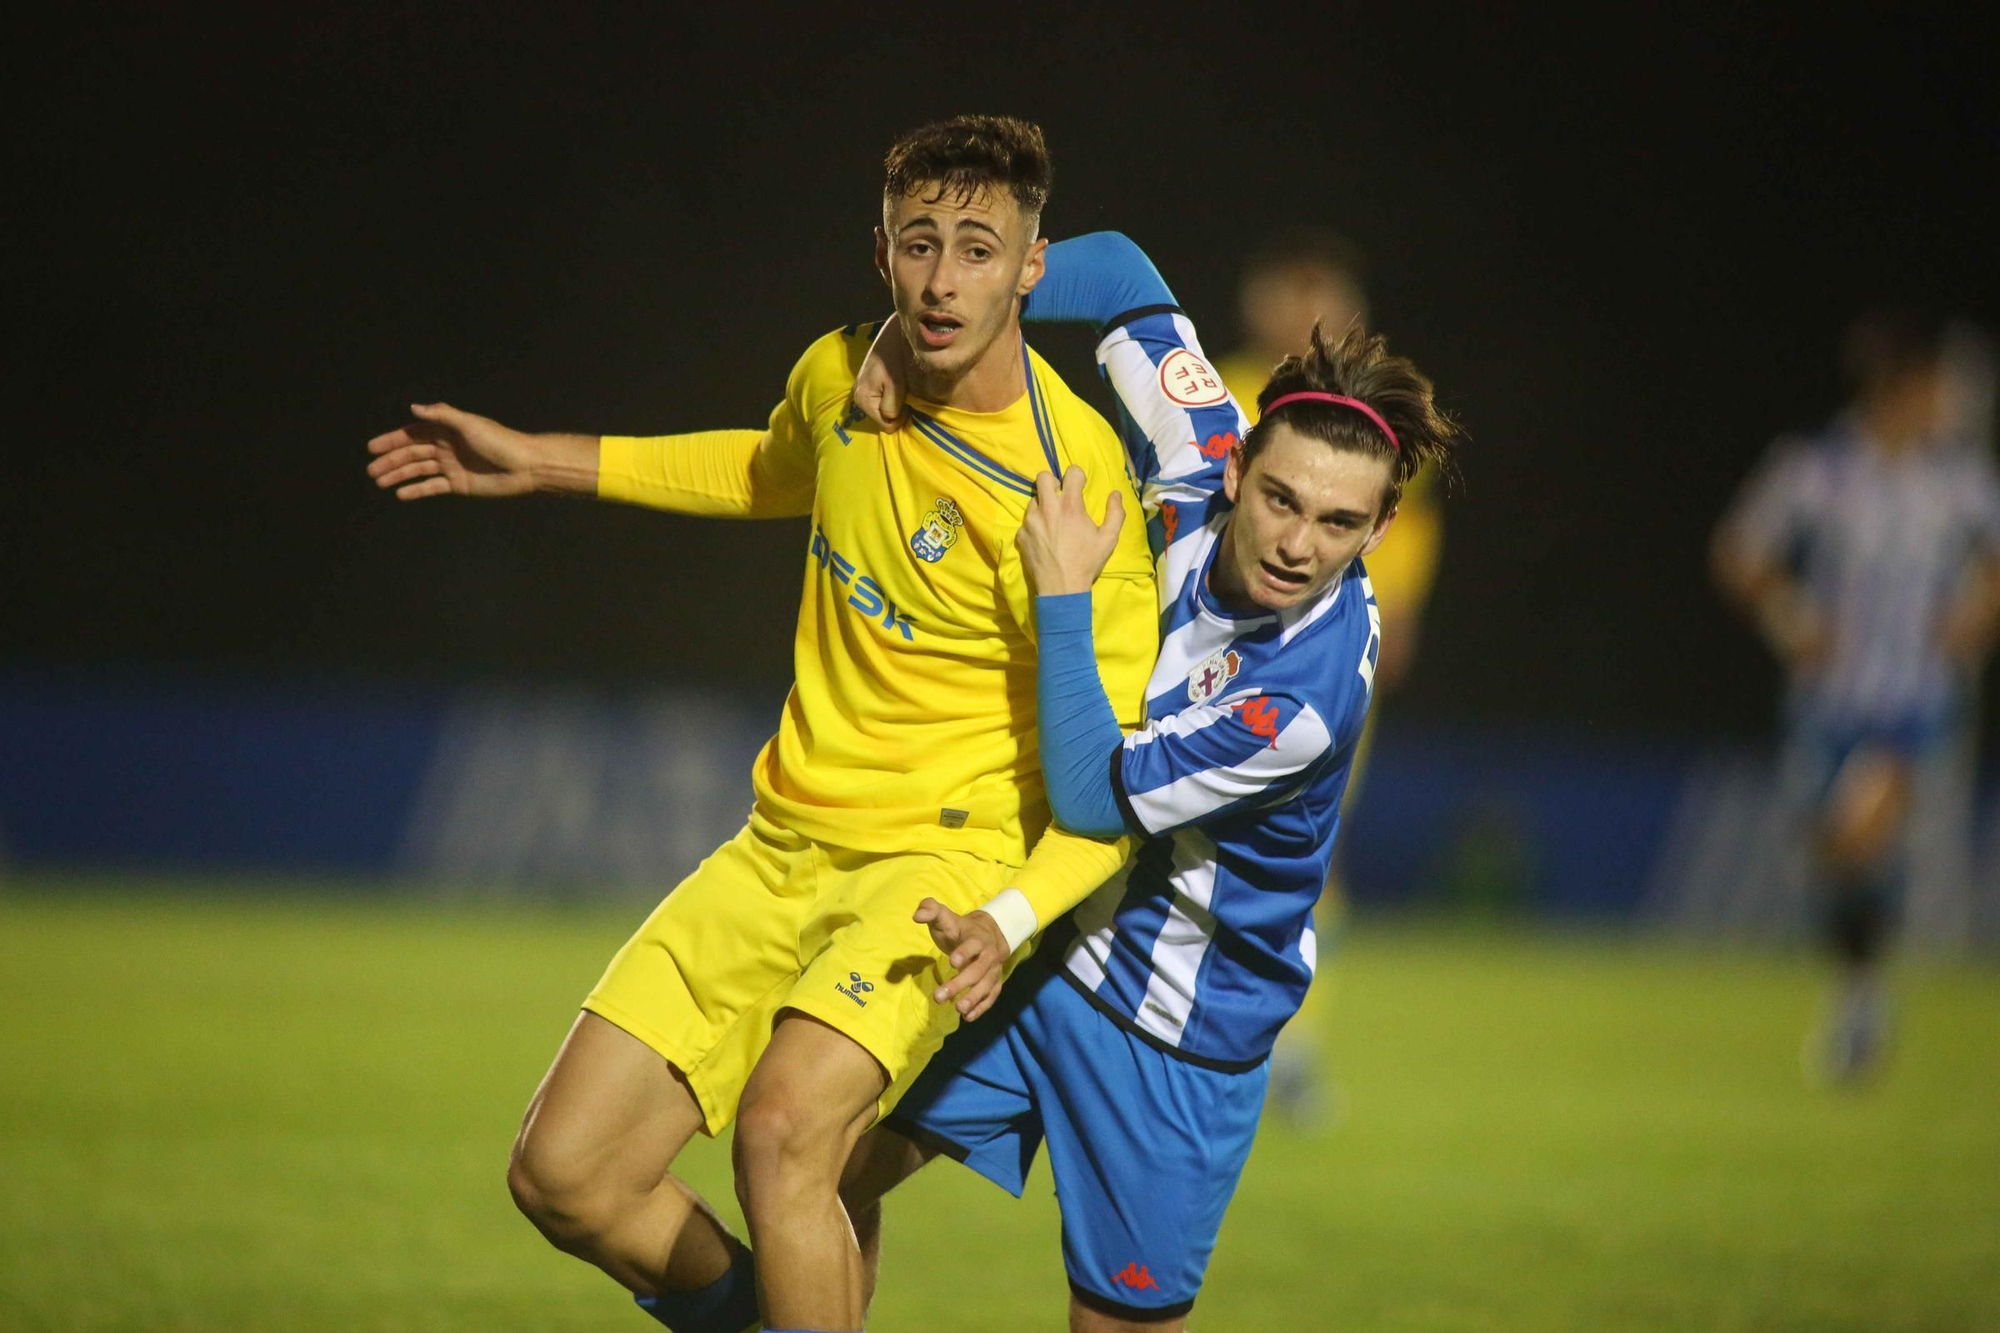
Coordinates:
x,y
240,246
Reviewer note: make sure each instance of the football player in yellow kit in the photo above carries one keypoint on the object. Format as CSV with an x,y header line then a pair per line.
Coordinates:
x,y
791,981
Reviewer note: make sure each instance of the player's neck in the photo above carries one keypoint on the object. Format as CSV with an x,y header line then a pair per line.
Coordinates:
x,y
1226,583
1890,429
991,384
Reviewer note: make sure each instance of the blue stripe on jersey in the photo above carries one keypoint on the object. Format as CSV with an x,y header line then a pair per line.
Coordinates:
x,y
966,454
1233,732
1127,969
1042,426
1230,764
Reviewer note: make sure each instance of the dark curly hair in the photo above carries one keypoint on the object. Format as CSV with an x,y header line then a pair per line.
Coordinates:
x,y
1360,365
966,154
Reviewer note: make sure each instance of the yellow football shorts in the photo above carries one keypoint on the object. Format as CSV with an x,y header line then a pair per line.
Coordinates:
x,y
774,921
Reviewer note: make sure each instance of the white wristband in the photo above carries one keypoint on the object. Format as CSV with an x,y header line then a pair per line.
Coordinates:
x,y
1014,914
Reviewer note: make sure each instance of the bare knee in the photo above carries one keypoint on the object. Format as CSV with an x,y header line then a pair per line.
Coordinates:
x,y
557,1192
1869,801
781,1144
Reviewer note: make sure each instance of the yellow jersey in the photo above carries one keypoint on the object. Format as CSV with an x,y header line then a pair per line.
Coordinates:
x,y
1403,568
911,722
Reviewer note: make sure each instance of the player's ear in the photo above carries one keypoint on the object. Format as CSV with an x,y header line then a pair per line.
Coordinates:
x,y
1232,473
882,256
1381,531
1037,265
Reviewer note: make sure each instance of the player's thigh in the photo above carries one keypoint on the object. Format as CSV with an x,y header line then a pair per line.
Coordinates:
x,y
873,969
713,952
880,1161
609,1117
1867,804
1088,1319
1146,1150
814,1090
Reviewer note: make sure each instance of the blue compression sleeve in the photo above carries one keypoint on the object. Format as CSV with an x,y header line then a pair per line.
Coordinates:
x,y
1080,735
1094,279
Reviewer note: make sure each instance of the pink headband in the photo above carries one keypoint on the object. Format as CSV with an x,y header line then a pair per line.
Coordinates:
x,y
1343,401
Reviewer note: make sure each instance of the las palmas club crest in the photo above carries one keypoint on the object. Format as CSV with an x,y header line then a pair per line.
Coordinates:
x,y
1211,674
939,531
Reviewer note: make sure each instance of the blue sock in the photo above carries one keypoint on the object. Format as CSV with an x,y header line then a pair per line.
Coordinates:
x,y
726,1305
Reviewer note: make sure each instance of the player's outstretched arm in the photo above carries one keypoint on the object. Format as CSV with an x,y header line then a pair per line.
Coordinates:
x,y
449,452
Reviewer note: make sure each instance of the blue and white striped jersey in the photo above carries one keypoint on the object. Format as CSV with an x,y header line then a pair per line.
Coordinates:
x,y
1881,543
1203,943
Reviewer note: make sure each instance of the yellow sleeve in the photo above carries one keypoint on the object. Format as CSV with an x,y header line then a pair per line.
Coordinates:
x,y
1065,868
719,473
734,473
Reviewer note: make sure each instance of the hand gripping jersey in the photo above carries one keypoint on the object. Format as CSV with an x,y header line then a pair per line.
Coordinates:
x,y
1204,945
912,721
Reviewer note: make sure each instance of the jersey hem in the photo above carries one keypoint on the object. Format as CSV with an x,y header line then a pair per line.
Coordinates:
x,y
1190,1057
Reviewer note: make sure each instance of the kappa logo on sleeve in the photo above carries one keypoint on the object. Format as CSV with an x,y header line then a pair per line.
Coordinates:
x,y
1217,446
1260,714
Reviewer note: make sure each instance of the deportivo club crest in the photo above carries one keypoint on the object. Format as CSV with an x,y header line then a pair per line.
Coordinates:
x,y
1211,674
940,529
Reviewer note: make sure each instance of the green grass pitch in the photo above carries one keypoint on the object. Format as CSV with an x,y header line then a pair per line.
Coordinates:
x,y
279,1111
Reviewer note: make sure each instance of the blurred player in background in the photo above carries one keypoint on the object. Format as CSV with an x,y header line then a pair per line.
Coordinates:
x,y
1296,279
1869,559
792,982
1136,1043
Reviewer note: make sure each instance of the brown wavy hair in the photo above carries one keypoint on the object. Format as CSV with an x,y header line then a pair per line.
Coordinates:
x,y
1359,365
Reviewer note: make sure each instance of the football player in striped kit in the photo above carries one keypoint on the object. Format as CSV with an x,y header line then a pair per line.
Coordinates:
x,y
1136,1043
1869,559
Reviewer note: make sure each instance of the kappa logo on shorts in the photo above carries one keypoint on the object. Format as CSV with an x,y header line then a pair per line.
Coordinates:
x,y
855,988
1136,1276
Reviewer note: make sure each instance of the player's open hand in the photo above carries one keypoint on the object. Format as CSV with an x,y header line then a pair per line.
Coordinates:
x,y
882,385
449,452
1062,547
973,944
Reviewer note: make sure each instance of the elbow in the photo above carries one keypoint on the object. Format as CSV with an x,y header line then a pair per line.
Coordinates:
x,y
1085,821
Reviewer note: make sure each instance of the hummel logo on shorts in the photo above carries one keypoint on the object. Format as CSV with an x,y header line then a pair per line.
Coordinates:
x,y
860,988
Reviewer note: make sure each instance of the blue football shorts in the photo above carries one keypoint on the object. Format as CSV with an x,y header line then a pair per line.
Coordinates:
x,y
1819,746
1146,1148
